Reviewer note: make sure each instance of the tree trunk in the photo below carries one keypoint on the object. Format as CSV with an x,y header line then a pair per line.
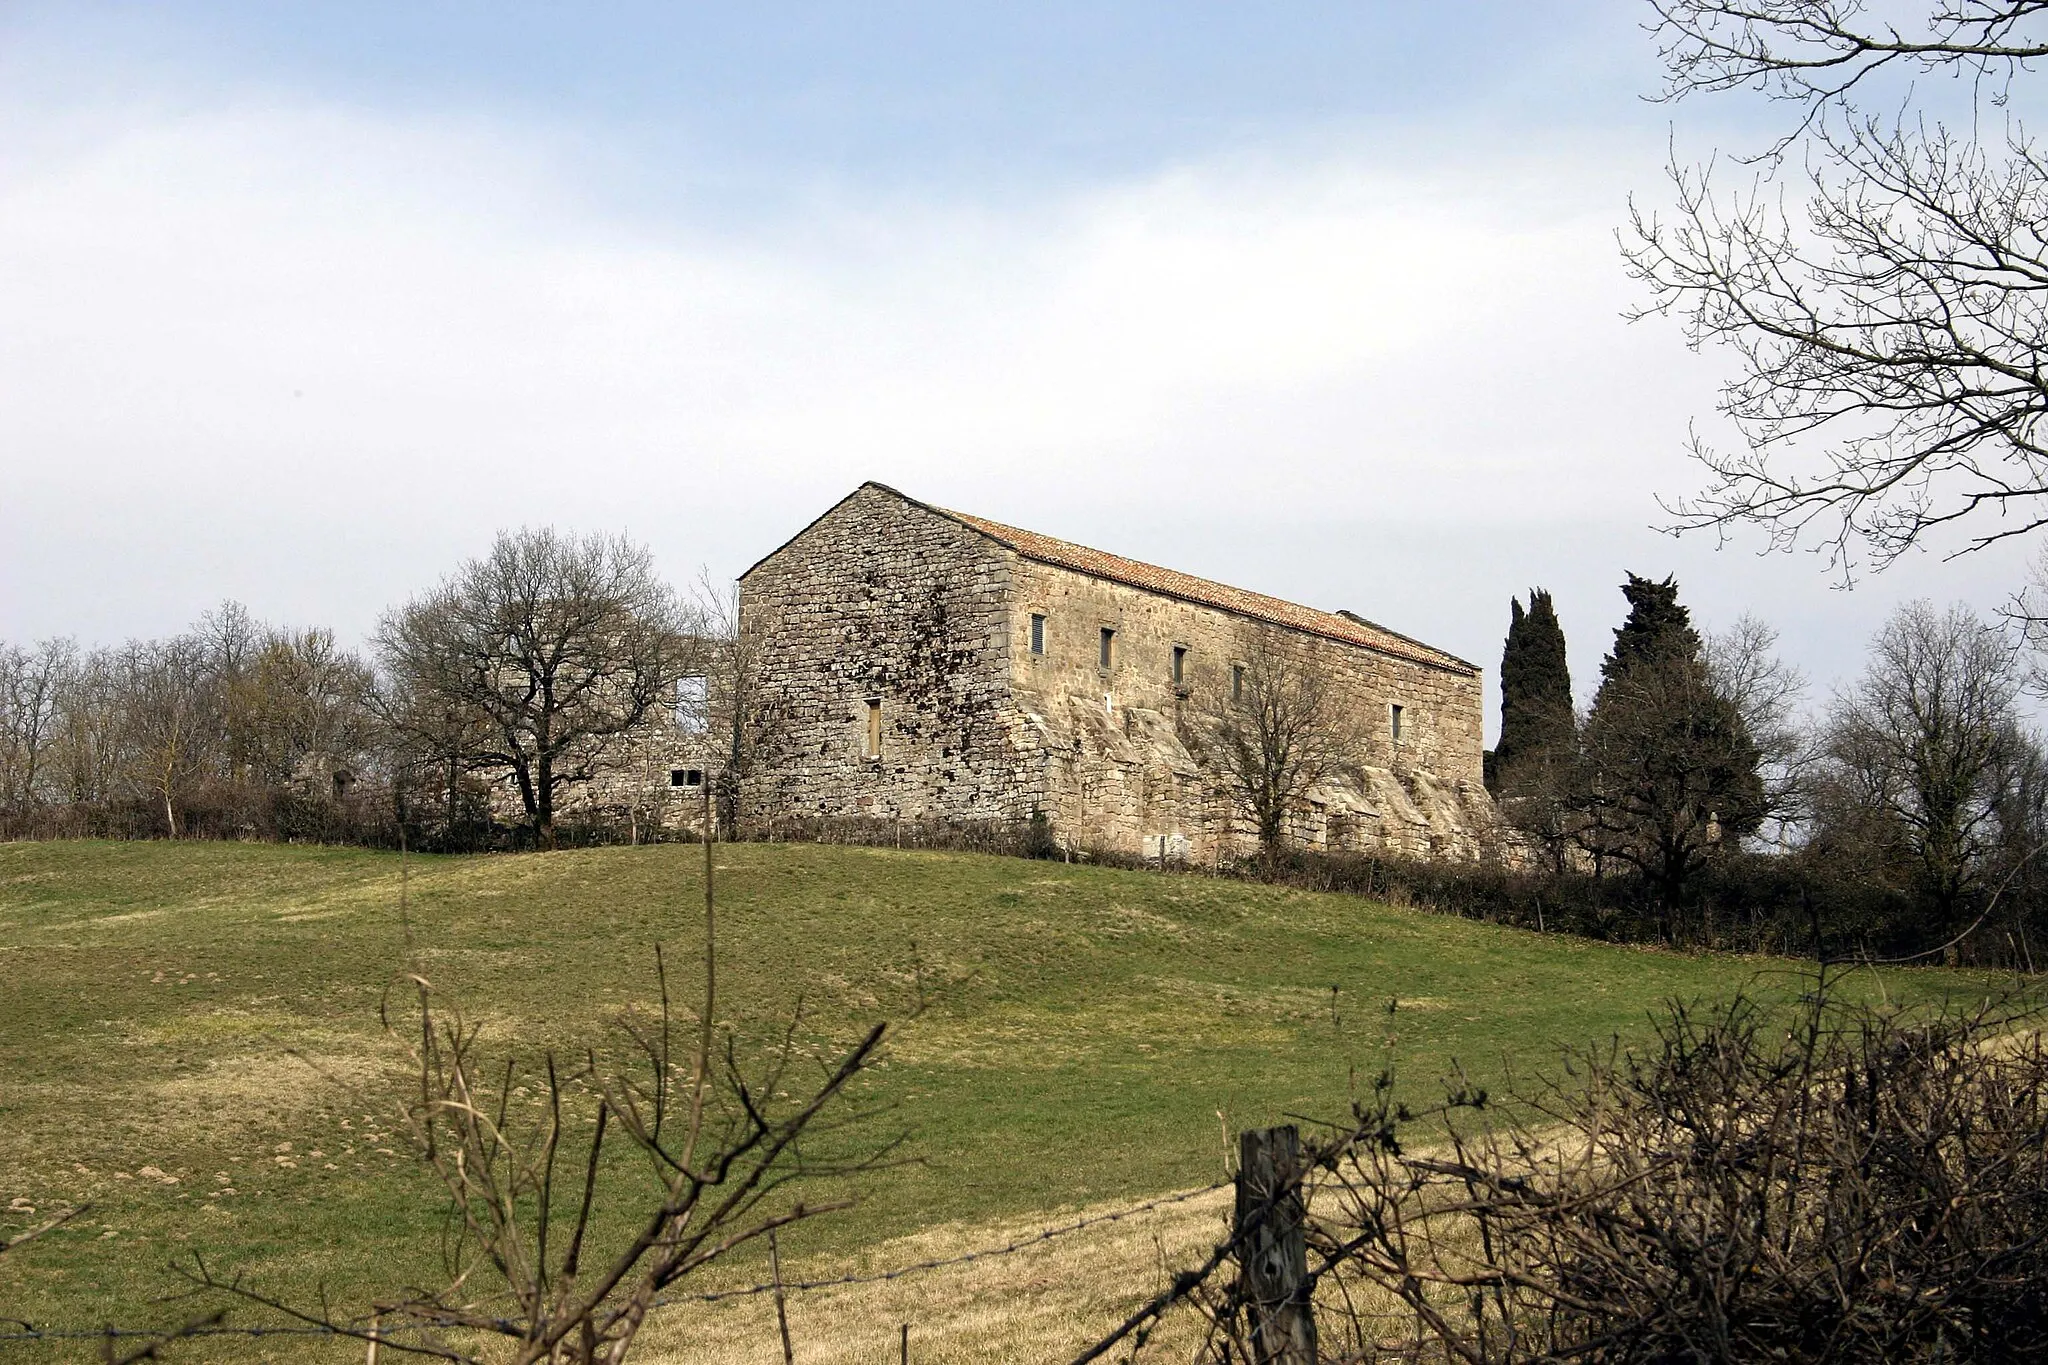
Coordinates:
x,y
1272,827
1667,906
544,804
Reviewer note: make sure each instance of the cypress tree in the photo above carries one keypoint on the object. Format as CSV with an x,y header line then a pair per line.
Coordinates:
x,y
1668,774
1535,683
1656,623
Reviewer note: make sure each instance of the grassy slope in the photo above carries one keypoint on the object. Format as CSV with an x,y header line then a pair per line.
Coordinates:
x,y
1095,1023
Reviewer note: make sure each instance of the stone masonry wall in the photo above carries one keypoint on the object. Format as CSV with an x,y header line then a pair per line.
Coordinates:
x,y
1113,753
633,789
883,599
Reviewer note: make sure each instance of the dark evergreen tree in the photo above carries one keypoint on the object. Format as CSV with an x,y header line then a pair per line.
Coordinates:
x,y
1667,770
1538,732
1656,622
1535,683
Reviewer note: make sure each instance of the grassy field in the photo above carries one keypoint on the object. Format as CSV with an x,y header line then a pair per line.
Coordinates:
x,y
1088,1028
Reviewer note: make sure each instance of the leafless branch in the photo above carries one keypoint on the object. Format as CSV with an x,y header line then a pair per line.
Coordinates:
x,y
1887,329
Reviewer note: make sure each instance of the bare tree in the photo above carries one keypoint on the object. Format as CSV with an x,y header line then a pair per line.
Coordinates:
x,y
1924,747
1769,695
1276,727
1888,328
92,739
546,654
31,685
732,708
229,639
216,725
724,1156
170,710
302,700
2028,611
436,745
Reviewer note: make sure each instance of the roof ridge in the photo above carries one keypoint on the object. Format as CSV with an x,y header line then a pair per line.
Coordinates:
x,y
1345,627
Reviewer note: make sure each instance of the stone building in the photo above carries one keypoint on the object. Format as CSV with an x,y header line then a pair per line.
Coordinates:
x,y
648,783
927,665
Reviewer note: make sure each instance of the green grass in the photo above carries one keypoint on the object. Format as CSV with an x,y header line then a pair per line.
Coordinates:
x,y
1087,1027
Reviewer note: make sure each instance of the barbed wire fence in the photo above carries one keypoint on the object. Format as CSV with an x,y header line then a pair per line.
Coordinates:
x,y
18,1332
942,1262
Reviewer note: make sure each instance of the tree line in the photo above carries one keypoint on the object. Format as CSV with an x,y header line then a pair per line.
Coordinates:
x,y
525,672
1908,812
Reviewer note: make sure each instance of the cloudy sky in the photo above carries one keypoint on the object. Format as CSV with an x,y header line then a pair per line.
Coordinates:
x,y
298,304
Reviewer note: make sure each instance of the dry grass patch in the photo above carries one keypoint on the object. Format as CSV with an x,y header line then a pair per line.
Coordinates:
x,y
1118,920
1044,1303
277,1084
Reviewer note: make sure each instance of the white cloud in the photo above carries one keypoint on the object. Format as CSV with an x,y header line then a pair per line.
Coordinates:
x,y
309,358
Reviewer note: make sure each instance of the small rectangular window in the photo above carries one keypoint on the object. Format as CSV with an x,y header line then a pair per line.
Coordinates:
x,y
1394,720
686,777
874,727
1037,633
1108,647
1180,659
1237,682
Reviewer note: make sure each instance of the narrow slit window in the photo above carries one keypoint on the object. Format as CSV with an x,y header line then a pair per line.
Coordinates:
x,y
1037,633
1180,659
1108,647
1394,721
1237,682
874,749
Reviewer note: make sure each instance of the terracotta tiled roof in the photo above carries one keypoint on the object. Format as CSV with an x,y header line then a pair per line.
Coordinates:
x,y
1347,628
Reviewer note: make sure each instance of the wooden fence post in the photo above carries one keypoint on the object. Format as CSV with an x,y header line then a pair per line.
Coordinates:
x,y
1272,1247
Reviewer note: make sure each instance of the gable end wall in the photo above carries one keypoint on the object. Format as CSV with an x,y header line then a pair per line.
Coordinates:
x,y
884,598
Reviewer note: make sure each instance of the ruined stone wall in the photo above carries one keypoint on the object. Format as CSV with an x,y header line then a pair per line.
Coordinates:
x,y
1115,755
883,599
634,789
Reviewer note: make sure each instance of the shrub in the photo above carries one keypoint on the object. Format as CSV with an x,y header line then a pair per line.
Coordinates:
x,y
1848,1184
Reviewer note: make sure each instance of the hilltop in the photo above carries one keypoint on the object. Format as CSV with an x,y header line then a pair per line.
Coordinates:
x,y
181,1019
